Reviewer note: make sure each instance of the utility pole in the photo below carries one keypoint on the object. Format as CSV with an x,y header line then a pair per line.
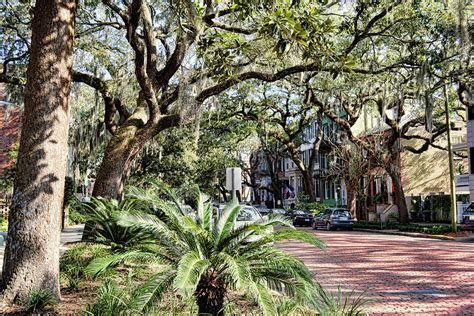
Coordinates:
x,y
451,163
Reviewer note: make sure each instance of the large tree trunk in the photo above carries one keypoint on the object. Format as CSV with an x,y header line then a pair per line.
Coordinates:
x,y
125,144
395,174
351,200
32,251
308,185
115,167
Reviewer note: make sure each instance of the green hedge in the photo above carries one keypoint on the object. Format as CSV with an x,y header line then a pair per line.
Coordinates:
x,y
436,229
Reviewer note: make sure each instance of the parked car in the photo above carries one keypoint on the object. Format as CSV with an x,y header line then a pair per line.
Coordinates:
x,y
333,218
468,217
248,215
279,211
302,218
263,210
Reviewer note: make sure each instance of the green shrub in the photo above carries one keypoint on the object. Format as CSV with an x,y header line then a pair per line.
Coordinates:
x,y
204,258
393,217
376,225
436,229
76,217
69,189
340,304
3,225
103,225
39,301
318,207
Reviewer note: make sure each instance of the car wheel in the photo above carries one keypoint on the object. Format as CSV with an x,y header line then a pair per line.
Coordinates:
x,y
294,224
328,226
350,228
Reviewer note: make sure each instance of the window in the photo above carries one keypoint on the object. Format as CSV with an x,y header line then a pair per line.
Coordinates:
x,y
471,159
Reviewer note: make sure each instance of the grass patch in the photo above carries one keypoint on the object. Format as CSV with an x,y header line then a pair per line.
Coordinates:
x,y
38,301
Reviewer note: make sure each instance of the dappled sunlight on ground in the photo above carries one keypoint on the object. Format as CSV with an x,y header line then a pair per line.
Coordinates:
x,y
400,274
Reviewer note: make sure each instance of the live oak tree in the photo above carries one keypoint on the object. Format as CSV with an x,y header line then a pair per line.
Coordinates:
x,y
407,94
265,161
185,52
32,252
180,159
172,44
283,117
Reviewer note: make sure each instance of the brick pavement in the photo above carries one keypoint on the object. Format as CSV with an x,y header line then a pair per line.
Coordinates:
x,y
402,275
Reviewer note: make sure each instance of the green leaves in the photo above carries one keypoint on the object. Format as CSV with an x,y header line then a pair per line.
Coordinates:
x,y
190,270
153,289
205,258
225,222
263,298
293,234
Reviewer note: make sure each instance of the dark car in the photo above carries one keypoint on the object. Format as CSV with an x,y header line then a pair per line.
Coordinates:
x,y
468,218
279,212
333,218
301,218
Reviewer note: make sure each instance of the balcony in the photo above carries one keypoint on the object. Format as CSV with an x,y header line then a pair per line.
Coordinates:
x,y
459,142
462,183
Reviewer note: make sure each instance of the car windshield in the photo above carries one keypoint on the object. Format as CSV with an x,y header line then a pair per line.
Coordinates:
x,y
342,213
301,212
279,211
248,214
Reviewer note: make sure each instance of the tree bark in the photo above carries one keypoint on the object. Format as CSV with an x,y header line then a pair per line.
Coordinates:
x,y
395,174
115,167
32,250
351,200
210,294
308,185
119,154
126,143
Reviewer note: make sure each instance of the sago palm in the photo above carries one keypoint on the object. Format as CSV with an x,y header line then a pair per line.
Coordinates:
x,y
102,224
207,258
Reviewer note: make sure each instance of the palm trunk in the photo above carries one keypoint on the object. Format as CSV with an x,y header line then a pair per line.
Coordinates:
x,y
32,250
210,294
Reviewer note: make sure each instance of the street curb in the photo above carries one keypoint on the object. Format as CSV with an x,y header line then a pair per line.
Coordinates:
x,y
407,234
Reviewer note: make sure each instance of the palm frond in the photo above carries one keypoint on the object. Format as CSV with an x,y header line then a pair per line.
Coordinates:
x,y
100,265
226,220
153,289
294,234
238,270
190,269
263,298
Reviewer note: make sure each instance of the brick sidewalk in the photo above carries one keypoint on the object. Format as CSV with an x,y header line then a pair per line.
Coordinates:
x,y
402,275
